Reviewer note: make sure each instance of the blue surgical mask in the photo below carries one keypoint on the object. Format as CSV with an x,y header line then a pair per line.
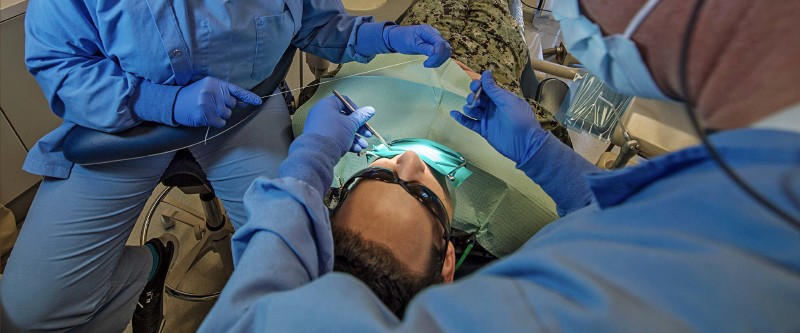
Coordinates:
x,y
614,59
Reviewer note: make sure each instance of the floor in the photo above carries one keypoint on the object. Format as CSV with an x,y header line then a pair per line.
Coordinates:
x,y
183,316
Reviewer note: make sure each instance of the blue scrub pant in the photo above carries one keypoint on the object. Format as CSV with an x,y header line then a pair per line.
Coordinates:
x,y
71,269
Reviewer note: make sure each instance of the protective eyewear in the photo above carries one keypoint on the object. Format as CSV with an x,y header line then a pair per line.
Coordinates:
x,y
420,192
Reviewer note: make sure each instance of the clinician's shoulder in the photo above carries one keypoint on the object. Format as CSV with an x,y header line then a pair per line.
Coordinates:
x,y
335,300
687,249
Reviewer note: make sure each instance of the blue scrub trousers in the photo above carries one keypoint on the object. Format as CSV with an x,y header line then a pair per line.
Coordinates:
x,y
71,269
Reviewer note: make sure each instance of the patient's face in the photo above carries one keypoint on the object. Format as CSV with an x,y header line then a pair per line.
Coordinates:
x,y
387,214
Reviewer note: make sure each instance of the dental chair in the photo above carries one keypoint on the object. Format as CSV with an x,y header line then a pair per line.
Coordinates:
x,y
213,230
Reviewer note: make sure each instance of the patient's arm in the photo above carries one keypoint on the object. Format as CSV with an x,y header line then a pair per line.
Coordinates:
x,y
472,74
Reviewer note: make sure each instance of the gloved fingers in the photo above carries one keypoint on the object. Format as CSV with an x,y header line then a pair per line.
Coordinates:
x,y
439,50
220,106
230,101
363,131
350,101
206,114
427,49
474,85
244,95
467,122
225,113
482,101
490,88
362,115
214,120
210,117
473,112
359,144
441,53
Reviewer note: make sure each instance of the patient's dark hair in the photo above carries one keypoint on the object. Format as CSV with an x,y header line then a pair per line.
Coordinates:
x,y
375,265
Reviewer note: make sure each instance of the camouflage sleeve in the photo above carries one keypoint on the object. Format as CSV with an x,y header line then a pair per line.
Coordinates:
x,y
481,32
549,123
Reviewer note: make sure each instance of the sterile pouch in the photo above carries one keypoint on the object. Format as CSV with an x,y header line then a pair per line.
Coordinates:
x,y
593,107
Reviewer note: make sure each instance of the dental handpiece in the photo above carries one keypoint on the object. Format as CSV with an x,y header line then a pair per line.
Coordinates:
x,y
351,109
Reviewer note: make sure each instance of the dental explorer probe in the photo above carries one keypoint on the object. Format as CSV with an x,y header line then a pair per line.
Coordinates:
x,y
351,109
480,89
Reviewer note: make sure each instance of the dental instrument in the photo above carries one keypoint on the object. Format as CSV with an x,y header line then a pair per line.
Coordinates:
x,y
351,109
478,92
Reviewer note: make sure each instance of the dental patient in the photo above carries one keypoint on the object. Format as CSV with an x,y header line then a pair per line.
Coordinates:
x,y
391,229
391,221
387,226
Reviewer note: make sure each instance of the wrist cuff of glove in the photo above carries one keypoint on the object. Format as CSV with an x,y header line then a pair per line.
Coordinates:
x,y
386,30
154,102
538,140
371,40
559,171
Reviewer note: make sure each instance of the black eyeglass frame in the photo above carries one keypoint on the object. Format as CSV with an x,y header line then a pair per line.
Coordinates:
x,y
433,203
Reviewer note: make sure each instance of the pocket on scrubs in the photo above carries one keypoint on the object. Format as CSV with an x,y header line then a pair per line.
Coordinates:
x,y
273,35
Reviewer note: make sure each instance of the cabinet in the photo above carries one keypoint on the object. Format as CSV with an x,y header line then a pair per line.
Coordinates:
x,y
26,116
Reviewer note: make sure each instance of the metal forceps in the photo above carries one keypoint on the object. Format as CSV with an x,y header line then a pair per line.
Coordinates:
x,y
351,109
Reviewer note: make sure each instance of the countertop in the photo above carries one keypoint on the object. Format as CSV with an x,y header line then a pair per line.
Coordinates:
x,y
11,8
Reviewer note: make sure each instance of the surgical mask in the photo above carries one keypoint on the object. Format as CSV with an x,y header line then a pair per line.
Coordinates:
x,y
441,159
614,59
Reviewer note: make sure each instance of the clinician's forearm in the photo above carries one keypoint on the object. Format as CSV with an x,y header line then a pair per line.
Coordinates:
x,y
311,159
285,244
559,171
371,40
329,32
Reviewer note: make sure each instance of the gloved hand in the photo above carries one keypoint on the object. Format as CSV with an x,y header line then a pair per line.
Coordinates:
x,y
326,118
208,102
418,39
503,119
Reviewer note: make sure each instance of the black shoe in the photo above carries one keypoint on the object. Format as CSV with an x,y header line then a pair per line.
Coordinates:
x,y
149,314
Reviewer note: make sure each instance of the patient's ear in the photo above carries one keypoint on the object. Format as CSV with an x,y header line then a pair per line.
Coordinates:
x,y
449,266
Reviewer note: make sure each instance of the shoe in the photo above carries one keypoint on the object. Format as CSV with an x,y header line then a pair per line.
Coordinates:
x,y
149,314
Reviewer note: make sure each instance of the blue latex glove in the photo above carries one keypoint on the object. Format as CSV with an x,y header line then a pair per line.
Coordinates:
x,y
327,118
208,102
418,39
503,119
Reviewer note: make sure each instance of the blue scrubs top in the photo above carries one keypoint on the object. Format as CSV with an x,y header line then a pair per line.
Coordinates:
x,y
97,61
670,245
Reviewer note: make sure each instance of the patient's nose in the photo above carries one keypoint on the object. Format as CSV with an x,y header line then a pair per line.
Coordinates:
x,y
409,166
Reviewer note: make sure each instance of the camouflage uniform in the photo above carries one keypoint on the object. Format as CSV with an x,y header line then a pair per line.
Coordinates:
x,y
483,33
